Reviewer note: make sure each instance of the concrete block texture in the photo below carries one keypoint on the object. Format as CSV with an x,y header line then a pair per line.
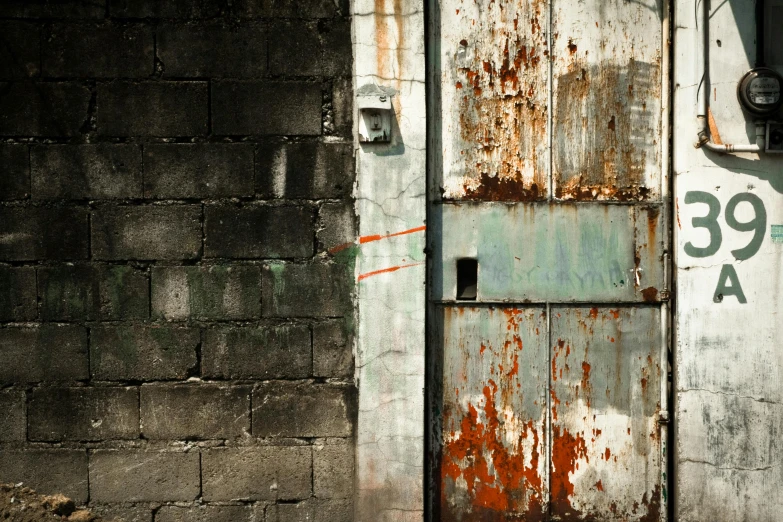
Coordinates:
x,y
285,409
93,292
13,422
38,233
198,170
146,232
251,231
105,171
43,109
332,351
143,476
20,56
14,171
266,108
18,297
202,411
100,51
220,292
295,48
46,9
83,414
312,510
333,464
124,512
48,471
283,8
137,353
182,9
307,290
306,170
50,353
213,50
165,109
257,473
281,352
212,513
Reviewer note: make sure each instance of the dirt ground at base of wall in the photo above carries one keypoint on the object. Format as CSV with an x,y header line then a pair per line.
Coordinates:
x,y
21,504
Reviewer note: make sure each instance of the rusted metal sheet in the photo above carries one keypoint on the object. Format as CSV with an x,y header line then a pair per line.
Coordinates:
x,y
551,252
493,463
494,76
605,397
606,119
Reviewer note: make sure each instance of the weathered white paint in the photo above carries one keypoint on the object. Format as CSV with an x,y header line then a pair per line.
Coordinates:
x,y
388,38
729,363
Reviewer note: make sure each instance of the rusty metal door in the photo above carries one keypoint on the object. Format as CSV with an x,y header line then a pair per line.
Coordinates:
x,y
548,234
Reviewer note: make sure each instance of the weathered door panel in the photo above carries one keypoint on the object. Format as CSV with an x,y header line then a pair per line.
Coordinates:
x,y
493,83
606,119
551,252
605,398
495,379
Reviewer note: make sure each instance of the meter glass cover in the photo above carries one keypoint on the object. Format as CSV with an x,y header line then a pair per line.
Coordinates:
x,y
764,90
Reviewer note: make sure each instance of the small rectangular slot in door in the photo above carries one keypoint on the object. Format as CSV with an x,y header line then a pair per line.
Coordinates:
x,y
467,279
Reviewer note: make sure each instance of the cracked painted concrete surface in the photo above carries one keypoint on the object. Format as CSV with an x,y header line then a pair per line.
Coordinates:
x,y
388,38
729,392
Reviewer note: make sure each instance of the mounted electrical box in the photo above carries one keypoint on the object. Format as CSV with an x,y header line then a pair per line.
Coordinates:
x,y
375,114
759,91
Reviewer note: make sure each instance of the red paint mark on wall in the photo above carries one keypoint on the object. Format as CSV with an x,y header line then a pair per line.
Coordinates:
x,y
376,237
386,270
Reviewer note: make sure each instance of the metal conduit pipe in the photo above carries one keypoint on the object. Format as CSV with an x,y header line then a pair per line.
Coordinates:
x,y
702,65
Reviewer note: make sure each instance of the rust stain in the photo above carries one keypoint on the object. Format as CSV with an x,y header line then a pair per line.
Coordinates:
x,y
571,46
606,134
650,294
567,450
714,133
502,125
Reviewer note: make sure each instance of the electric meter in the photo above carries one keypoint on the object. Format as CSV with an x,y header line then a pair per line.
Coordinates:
x,y
759,91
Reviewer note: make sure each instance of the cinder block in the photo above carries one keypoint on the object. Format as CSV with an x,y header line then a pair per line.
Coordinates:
x,y
210,293
215,50
281,352
57,414
337,54
257,473
337,225
51,9
165,8
37,233
48,471
342,106
201,411
166,109
312,510
86,171
333,465
143,476
93,292
45,353
252,231
288,9
266,108
332,352
119,353
13,421
308,170
307,290
18,295
123,512
146,232
100,51
212,513
198,170
48,109
283,409
14,172
294,49
20,54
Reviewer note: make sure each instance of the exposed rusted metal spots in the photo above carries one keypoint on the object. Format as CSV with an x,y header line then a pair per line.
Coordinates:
x,y
497,151
567,449
650,294
605,131
571,46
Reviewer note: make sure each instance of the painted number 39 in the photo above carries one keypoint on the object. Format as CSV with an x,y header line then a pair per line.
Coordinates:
x,y
728,282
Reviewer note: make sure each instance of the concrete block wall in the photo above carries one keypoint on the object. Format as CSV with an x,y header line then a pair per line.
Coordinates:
x,y
175,320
